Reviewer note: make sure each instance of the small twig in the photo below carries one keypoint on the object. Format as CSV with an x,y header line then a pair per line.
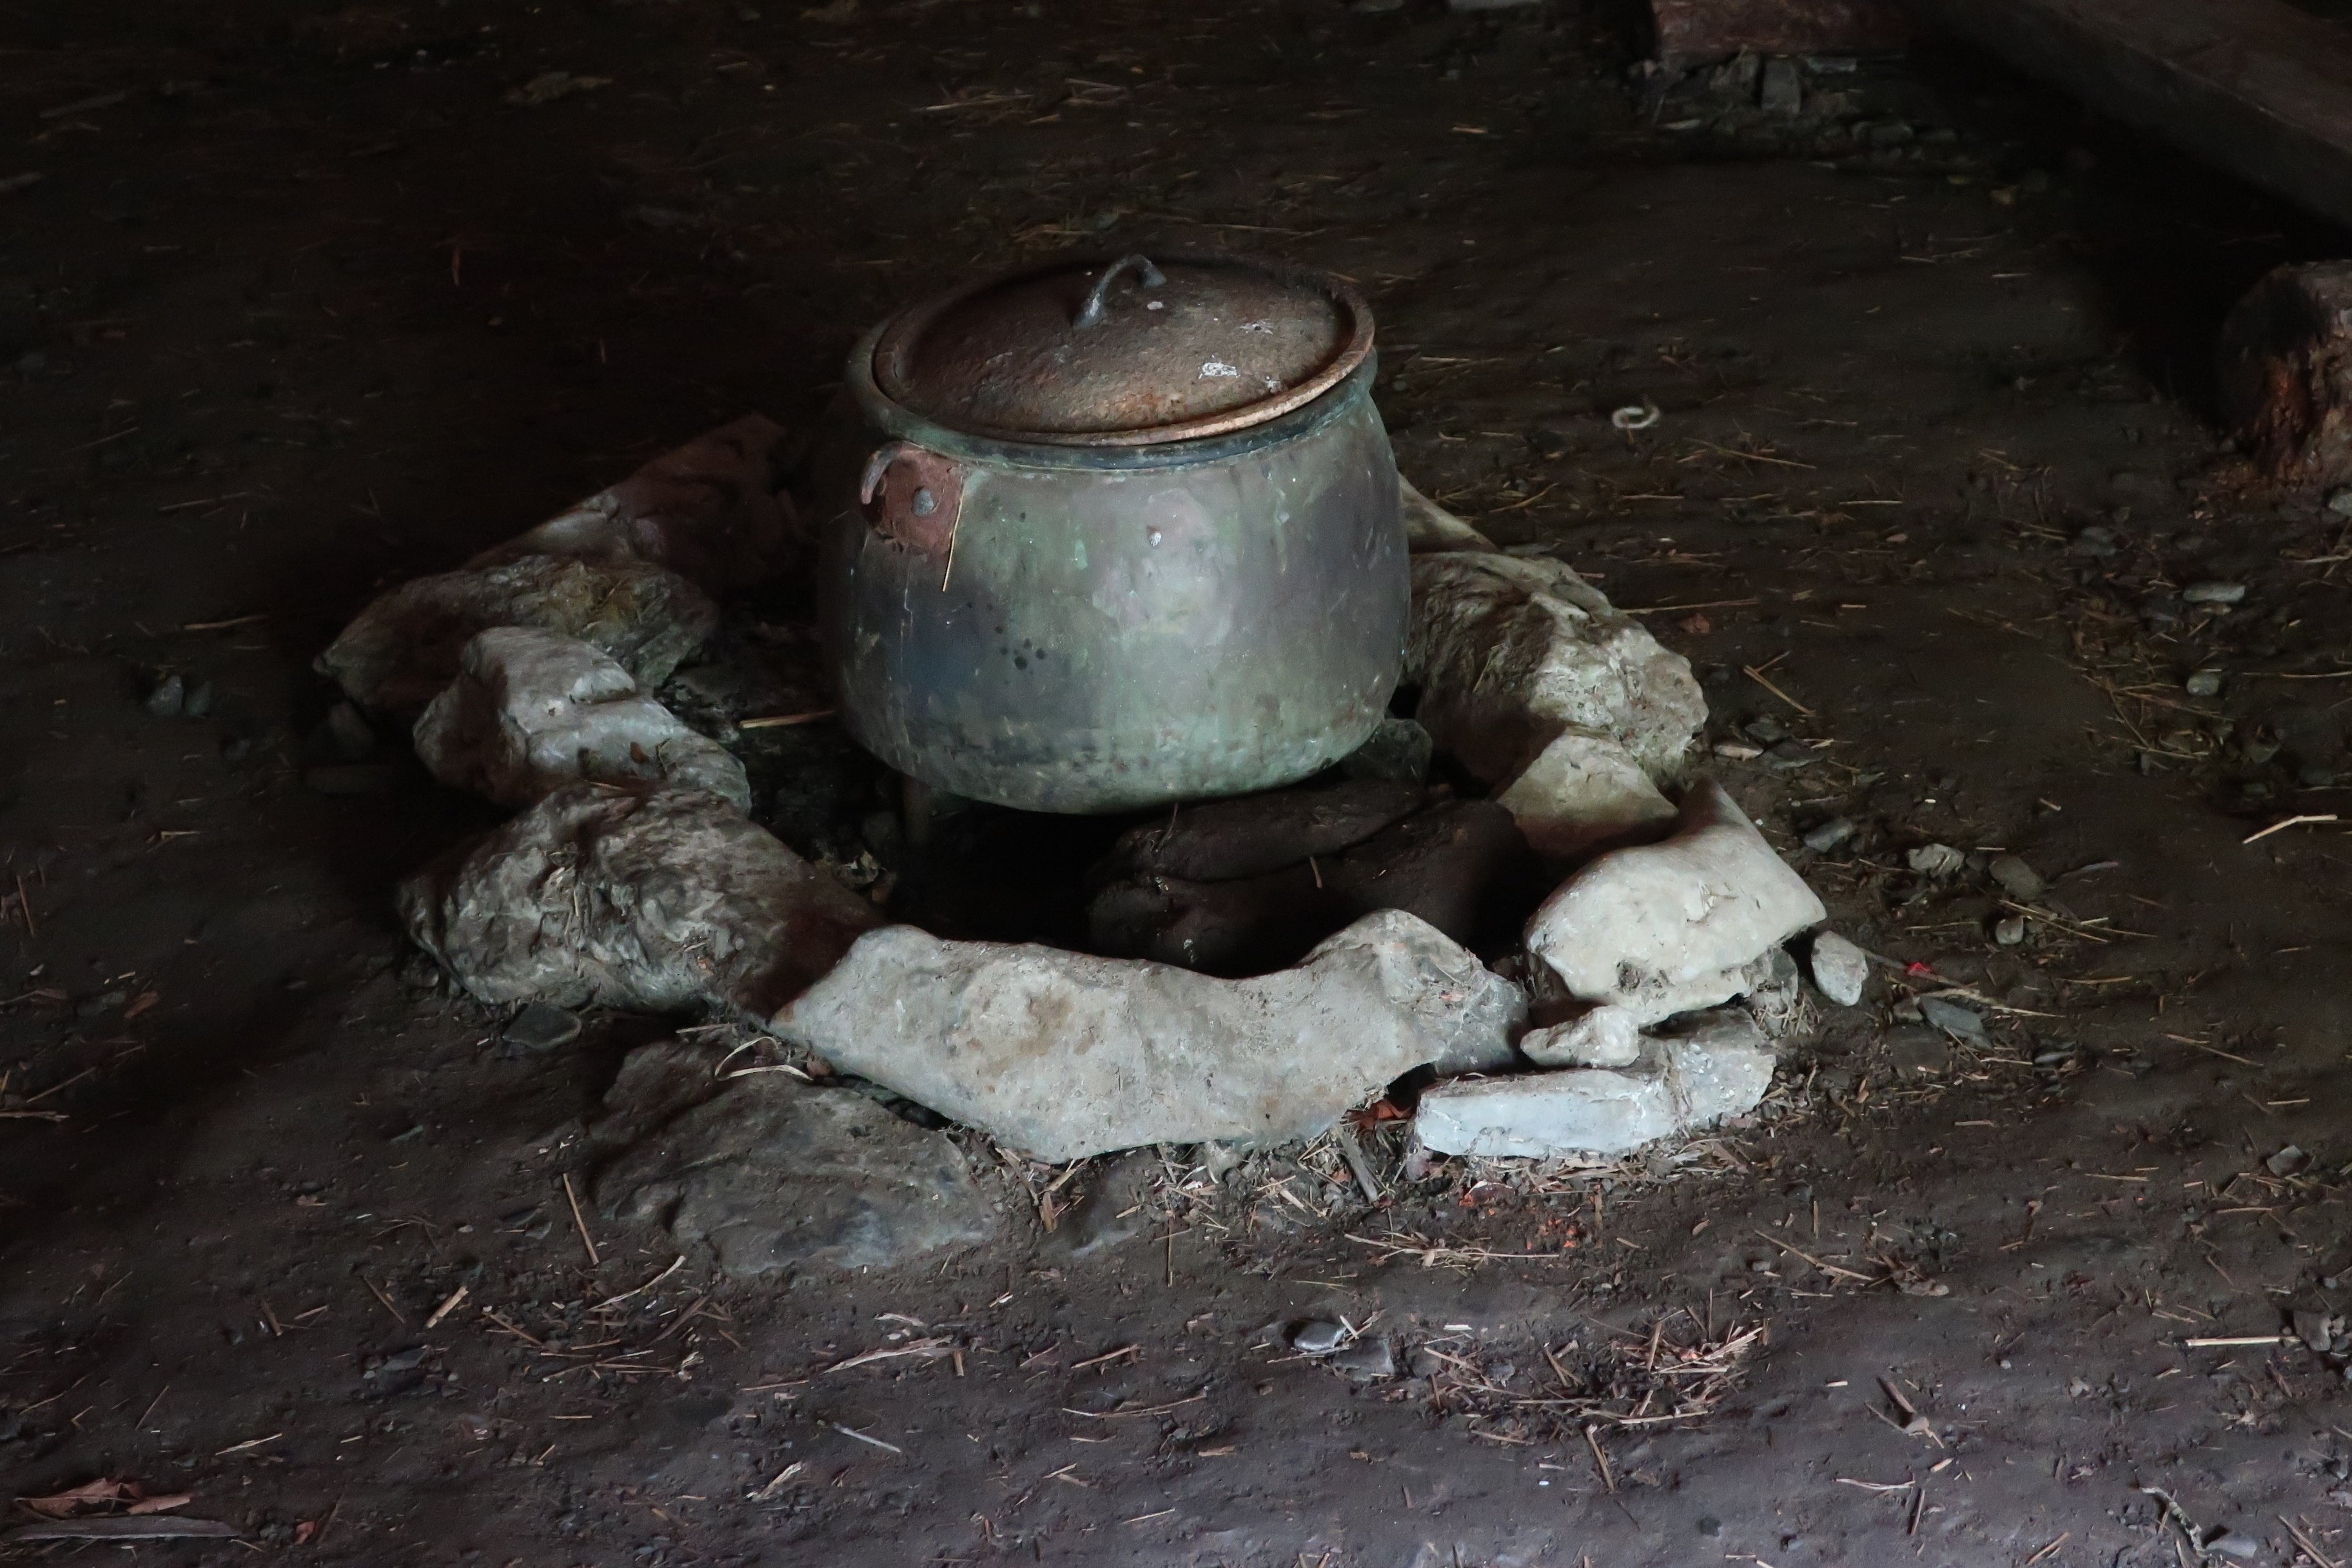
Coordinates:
x,y
2310,1547
785,721
640,1291
1758,676
447,1306
1592,1441
853,1432
580,1220
2229,1342
2064,1537
2290,822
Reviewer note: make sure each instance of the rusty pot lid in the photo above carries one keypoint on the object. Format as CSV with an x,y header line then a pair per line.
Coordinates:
x,y
1125,353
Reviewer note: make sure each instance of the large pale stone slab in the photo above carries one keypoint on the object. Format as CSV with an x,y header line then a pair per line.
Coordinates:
x,y
532,710
1722,1068
659,902
1667,927
1062,1055
1511,653
406,646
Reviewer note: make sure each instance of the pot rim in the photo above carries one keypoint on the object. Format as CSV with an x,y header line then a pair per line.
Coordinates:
x,y
895,419
904,326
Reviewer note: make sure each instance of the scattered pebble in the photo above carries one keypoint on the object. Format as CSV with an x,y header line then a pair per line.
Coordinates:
x,y
1830,834
2009,931
200,700
1955,1020
2096,541
2340,503
169,699
1318,1337
2315,776
2235,1543
1840,969
2286,1161
2015,878
2214,592
2203,683
1936,859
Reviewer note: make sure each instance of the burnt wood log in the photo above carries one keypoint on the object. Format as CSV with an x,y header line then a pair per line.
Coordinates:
x,y
1699,32
2254,86
2285,367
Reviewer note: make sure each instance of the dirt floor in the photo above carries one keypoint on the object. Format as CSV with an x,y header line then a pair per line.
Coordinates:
x,y
304,301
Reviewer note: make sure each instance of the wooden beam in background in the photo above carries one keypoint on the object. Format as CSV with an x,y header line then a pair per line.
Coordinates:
x,y
1700,32
2254,86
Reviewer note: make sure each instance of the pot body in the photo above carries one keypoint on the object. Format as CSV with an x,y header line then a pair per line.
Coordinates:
x,y
1075,629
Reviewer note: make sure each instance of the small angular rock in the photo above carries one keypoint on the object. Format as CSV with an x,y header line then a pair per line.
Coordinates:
x,y
2014,877
168,699
1936,860
653,901
1061,1055
1318,1337
1583,794
1672,927
532,710
1841,971
1821,840
1602,1038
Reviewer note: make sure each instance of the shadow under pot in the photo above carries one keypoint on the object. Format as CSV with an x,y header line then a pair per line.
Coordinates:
x,y
1099,537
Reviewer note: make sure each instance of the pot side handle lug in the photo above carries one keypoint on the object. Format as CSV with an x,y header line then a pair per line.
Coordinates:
x,y
912,496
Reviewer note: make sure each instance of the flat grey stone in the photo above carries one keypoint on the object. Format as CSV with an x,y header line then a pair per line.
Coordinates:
x,y
2214,592
1668,928
2019,880
652,901
1961,1023
1062,1055
776,1177
532,710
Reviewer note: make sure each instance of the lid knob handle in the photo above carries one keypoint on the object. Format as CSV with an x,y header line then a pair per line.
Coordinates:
x,y
1097,305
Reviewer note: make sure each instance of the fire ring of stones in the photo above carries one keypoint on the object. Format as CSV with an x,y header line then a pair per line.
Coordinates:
x,y
1517,916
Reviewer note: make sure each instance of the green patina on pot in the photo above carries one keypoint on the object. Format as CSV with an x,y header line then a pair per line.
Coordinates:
x,y
1132,589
